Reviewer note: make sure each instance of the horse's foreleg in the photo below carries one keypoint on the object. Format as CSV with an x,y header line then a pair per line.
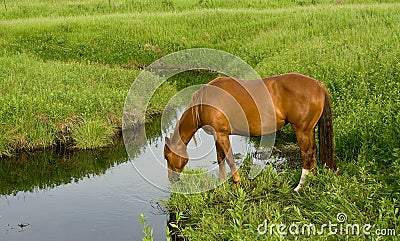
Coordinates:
x,y
225,145
306,141
221,161
304,173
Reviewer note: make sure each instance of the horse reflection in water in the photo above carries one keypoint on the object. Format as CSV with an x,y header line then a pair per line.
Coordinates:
x,y
227,106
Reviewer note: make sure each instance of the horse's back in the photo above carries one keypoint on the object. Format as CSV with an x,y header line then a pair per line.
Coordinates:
x,y
265,105
294,83
244,103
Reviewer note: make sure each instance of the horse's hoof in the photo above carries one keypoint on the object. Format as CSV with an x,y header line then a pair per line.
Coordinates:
x,y
297,189
236,179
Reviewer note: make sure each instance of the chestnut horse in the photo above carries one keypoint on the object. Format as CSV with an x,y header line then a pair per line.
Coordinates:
x,y
227,106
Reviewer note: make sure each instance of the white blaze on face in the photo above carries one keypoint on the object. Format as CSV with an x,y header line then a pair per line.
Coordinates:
x,y
304,173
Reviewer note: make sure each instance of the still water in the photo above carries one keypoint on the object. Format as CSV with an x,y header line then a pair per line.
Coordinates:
x,y
94,195
100,201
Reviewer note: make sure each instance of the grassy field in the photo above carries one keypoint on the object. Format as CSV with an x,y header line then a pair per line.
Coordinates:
x,y
50,8
65,68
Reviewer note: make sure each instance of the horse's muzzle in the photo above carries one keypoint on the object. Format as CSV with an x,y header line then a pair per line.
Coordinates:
x,y
173,176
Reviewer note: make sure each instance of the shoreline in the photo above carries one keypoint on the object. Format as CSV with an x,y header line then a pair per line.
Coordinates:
x,y
62,146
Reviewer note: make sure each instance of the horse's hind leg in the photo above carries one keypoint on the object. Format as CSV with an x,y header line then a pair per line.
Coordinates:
x,y
221,162
306,141
222,142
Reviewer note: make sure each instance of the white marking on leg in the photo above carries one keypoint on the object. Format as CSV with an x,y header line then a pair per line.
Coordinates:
x,y
304,173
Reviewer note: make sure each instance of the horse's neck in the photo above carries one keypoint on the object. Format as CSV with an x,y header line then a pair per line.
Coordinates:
x,y
185,128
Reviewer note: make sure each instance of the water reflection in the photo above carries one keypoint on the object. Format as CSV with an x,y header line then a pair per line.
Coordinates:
x,y
81,195
50,168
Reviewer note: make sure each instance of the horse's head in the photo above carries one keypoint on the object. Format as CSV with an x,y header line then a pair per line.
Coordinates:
x,y
176,156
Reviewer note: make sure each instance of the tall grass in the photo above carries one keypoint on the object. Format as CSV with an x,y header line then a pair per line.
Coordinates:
x,y
48,8
236,213
53,103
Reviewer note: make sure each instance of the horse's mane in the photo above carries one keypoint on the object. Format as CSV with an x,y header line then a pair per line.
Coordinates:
x,y
195,106
196,103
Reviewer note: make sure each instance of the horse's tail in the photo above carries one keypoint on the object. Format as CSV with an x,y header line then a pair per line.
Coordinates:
x,y
325,133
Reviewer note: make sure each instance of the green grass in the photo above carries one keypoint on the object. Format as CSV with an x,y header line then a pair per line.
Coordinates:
x,y
235,213
49,8
65,69
48,103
